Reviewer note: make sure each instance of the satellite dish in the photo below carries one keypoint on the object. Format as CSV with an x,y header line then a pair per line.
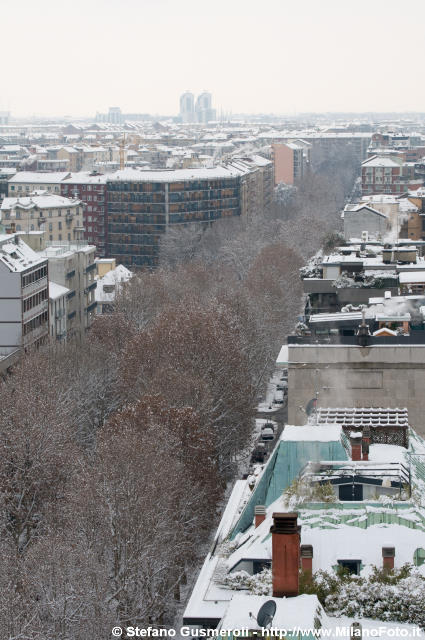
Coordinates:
x,y
266,614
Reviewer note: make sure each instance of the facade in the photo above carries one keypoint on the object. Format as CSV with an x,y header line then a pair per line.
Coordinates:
x,y
364,221
72,266
142,205
203,108
289,164
24,293
6,174
108,286
389,373
388,174
4,117
58,311
90,188
25,182
61,218
187,107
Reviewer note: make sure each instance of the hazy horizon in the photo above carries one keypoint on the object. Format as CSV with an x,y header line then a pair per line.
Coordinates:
x,y
273,58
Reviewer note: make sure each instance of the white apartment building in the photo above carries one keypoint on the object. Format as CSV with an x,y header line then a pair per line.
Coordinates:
x,y
24,296
25,182
58,311
72,266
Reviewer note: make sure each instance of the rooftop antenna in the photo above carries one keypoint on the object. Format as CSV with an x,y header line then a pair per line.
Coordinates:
x,y
265,615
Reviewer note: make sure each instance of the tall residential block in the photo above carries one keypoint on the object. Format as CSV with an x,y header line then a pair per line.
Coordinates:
x,y
24,295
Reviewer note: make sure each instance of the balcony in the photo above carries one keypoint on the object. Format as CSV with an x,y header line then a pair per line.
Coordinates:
x,y
34,335
91,286
91,307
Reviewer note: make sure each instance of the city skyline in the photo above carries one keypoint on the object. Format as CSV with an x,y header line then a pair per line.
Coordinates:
x,y
282,59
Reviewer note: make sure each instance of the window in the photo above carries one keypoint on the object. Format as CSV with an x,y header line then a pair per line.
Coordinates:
x,y
353,566
50,226
60,236
50,214
419,557
60,224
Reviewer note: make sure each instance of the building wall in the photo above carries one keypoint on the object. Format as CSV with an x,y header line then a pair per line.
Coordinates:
x,y
283,163
94,197
364,220
140,212
75,269
352,376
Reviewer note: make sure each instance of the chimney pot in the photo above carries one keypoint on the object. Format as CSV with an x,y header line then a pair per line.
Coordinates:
x,y
356,445
285,554
306,551
365,442
259,514
388,555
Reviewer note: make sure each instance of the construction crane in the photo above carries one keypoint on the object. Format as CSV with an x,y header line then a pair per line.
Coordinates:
x,y
122,152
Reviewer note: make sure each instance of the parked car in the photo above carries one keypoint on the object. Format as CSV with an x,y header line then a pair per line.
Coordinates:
x,y
259,453
267,433
278,397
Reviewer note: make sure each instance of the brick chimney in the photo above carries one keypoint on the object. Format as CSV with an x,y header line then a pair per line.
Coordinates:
x,y
259,514
356,445
285,554
388,555
365,442
306,551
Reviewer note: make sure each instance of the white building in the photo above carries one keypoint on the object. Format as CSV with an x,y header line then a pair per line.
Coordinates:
x,y
58,311
108,286
73,266
23,297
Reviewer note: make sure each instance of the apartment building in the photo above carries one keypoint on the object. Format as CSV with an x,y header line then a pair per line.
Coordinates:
x,y
90,188
58,311
142,204
25,182
73,266
289,162
388,174
61,218
24,293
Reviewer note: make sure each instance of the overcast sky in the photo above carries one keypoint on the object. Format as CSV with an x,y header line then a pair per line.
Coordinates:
x,y
271,56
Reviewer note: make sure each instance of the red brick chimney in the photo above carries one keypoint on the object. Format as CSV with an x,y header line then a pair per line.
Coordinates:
x,y
388,555
259,514
285,554
356,445
306,551
365,442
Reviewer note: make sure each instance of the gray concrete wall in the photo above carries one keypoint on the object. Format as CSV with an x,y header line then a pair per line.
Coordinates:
x,y
357,221
352,376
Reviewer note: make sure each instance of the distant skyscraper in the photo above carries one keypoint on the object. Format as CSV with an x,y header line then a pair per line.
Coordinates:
x,y
187,110
203,109
115,115
4,117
